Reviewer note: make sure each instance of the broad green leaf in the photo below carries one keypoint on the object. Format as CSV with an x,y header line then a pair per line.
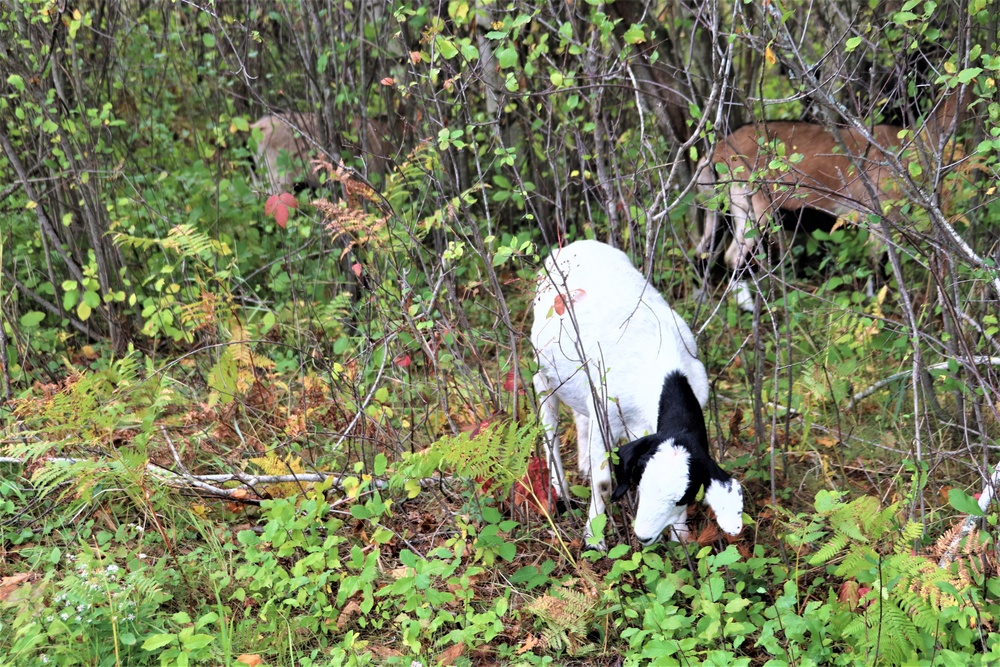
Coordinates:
x,y
634,35
507,57
17,82
445,47
963,502
32,319
154,642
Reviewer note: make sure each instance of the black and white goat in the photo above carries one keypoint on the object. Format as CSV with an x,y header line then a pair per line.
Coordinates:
x,y
611,348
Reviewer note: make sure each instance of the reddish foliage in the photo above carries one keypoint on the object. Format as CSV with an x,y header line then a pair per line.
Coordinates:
x,y
508,383
277,206
535,489
356,268
560,303
403,361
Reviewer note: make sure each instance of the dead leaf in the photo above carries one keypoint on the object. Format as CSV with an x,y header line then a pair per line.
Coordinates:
x,y
10,584
384,652
251,659
528,644
449,656
350,609
560,303
388,81
708,535
826,441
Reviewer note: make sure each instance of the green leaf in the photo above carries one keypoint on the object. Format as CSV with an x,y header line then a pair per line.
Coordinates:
x,y
32,319
634,35
198,641
618,551
967,75
963,502
92,299
83,311
154,642
445,47
208,39
17,82
241,124
507,57
470,52
380,463
556,78
852,43
268,322
914,168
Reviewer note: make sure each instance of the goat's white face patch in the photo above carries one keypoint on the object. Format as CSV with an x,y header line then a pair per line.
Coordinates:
x,y
663,483
726,500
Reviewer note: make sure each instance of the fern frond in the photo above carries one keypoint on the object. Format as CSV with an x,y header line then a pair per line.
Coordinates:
x,y
498,453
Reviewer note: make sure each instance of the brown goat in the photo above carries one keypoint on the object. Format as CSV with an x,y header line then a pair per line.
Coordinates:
x,y
298,135
794,169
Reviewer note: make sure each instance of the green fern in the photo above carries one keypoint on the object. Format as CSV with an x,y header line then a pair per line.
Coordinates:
x,y
902,616
499,452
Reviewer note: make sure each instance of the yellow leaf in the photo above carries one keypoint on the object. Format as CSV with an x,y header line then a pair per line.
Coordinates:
x,y
30,205
769,56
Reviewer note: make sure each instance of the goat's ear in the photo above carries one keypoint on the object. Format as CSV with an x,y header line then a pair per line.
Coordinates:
x,y
632,460
725,497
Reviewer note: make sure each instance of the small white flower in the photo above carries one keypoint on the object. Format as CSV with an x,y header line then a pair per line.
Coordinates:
x,y
130,617
45,659
143,556
111,569
64,616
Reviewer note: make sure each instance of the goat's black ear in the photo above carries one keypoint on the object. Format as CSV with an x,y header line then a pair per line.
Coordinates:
x,y
632,460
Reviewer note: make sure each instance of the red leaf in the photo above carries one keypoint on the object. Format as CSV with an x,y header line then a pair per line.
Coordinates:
x,y
560,303
403,361
387,81
849,593
535,489
277,207
356,267
508,383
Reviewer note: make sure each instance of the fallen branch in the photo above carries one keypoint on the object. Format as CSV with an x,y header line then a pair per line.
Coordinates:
x,y
208,484
975,361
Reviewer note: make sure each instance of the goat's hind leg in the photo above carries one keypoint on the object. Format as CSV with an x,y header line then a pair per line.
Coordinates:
x,y
548,415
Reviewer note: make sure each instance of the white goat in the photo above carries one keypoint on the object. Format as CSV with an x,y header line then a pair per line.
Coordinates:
x,y
607,343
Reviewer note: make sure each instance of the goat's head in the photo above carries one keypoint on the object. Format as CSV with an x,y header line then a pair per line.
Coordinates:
x,y
668,471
